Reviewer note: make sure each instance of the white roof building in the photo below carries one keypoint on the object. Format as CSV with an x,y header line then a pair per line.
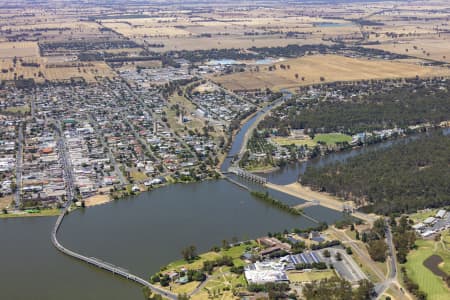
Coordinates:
x,y
265,276
429,220
441,213
418,226
428,233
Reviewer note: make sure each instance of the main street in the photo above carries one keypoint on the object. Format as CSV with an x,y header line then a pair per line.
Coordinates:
x,y
66,164
19,161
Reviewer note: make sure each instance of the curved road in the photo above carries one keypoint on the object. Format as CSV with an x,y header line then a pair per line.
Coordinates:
x,y
100,264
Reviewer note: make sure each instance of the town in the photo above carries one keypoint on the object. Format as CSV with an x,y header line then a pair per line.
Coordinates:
x,y
225,150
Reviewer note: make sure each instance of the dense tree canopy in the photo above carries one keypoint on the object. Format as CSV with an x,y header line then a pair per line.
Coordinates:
x,y
337,289
400,107
403,178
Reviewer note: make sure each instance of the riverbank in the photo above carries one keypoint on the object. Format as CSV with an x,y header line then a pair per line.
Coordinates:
x,y
325,200
92,201
263,170
218,270
97,200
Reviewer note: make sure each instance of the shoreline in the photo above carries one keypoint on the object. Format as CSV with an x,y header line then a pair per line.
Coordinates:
x,y
325,200
270,169
93,201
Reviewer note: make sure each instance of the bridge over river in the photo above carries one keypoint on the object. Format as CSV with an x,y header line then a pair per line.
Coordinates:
x,y
102,264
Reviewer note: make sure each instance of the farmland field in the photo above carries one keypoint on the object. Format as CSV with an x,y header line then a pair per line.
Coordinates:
x,y
233,41
60,71
426,48
18,49
324,68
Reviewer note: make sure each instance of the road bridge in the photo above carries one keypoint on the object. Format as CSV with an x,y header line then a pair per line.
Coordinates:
x,y
102,264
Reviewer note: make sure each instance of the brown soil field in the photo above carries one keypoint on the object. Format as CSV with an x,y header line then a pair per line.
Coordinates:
x,y
66,23
5,201
143,29
143,64
427,48
88,73
241,42
97,200
18,49
330,67
52,72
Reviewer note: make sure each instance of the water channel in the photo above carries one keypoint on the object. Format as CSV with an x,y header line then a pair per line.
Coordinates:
x,y
290,172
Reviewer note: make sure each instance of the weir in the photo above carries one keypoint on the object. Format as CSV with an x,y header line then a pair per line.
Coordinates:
x,y
247,175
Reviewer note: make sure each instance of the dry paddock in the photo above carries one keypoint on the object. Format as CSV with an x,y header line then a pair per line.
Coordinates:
x,y
325,68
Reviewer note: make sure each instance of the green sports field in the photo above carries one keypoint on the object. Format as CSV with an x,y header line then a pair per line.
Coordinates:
x,y
332,138
327,138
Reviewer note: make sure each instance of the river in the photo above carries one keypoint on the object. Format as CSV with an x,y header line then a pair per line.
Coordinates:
x,y
290,172
139,233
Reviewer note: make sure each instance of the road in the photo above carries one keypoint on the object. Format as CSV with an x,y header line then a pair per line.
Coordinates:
x,y
386,281
391,280
19,169
66,163
101,264
366,260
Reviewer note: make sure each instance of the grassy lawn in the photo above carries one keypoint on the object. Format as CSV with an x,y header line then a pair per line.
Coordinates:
x,y
6,201
388,293
260,168
365,268
18,109
427,281
443,251
327,138
188,108
446,240
286,141
138,176
351,234
220,278
234,252
196,264
332,138
184,288
42,213
383,266
310,276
